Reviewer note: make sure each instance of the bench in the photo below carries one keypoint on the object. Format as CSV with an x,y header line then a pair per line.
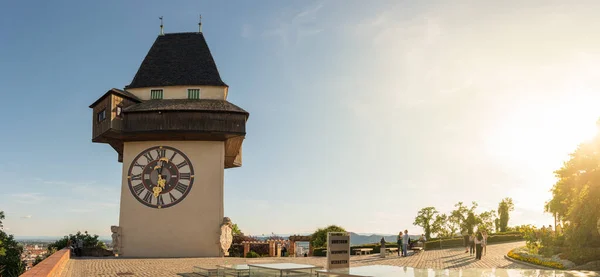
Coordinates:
x,y
392,249
417,247
359,251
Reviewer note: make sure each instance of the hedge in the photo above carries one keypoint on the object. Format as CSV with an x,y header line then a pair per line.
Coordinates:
x,y
459,242
434,244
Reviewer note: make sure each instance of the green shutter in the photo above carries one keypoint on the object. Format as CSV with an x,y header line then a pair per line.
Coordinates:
x,y
156,94
193,93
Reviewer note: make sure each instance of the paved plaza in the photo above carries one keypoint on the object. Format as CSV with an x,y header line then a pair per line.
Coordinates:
x,y
454,258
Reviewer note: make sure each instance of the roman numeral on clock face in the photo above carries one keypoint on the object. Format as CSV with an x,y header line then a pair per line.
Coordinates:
x,y
173,199
185,176
161,153
136,177
148,197
149,157
182,164
160,200
139,165
138,188
181,188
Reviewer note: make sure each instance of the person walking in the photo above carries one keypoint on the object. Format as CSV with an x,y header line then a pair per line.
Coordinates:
x,y
471,244
405,239
400,248
478,247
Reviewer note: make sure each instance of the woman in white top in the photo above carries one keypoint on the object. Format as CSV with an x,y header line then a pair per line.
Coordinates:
x,y
484,243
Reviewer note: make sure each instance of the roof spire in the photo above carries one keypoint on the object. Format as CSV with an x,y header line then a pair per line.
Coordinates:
x,y
200,25
162,32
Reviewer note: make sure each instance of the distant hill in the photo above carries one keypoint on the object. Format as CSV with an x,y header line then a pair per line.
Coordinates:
x,y
358,239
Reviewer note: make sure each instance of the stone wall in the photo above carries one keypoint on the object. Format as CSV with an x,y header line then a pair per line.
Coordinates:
x,y
51,266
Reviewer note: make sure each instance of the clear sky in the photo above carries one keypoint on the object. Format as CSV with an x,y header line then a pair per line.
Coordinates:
x,y
362,112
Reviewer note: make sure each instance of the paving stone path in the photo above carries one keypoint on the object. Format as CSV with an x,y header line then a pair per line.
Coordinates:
x,y
454,258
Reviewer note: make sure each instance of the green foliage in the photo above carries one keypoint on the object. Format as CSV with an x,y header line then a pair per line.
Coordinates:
x,y
320,252
12,258
504,208
424,219
459,242
2,250
576,195
252,254
461,216
235,230
319,237
486,221
89,241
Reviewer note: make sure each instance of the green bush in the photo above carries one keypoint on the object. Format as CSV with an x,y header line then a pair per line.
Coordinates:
x,y
504,238
252,254
581,255
459,242
320,252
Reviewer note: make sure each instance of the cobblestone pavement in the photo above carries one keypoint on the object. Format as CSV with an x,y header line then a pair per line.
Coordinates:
x,y
438,259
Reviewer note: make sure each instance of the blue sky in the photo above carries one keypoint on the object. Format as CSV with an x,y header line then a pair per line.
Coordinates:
x,y
362,112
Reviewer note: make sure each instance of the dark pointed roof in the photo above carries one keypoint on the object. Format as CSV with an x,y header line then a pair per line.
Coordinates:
x,y
178,59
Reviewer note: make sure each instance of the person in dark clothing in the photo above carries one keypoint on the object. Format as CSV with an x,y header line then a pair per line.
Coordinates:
x,y
471,244
478,246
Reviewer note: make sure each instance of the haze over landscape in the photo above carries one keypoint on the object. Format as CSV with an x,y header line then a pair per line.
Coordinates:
x,y
361,113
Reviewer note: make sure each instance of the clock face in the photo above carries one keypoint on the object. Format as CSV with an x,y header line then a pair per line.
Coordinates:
x,y
160,177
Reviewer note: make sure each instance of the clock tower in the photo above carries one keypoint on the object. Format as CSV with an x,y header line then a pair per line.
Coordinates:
x,y
175,133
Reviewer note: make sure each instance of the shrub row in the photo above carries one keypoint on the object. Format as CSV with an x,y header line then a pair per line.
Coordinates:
x,y
434,244
534,260
458,242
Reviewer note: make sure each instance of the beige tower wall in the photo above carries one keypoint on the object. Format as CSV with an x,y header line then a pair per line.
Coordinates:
x,y
181,92
188,229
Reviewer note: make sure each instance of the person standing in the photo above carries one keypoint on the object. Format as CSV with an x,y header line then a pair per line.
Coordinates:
x,y
405,239
471,244
466,240
478,239
400,248
79,246
484,243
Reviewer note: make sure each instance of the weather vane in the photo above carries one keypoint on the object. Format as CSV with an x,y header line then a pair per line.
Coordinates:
x,y
161,26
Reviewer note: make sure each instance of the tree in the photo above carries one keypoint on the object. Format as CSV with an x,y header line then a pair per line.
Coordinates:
x,y
453,224
441,227
471,221
235,230
504,208
461,213
89,241
424,219
486,221
2,250
319,237
576,194
13,265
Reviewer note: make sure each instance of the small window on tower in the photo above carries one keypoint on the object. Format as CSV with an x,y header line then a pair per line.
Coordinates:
x,y
193,93
102,115
156,94
119,111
